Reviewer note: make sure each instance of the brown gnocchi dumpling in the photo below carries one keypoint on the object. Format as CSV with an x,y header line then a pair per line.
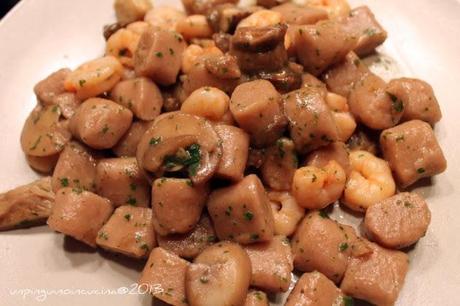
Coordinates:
x,y
79,214
121,181
100,123
242,212
128,231
164,277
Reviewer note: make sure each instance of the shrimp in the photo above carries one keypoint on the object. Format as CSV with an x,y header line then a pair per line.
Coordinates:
x,y
164,17
208,102
344,120
262,18
370,181
334,8
122,45
94,77
286,212
316,188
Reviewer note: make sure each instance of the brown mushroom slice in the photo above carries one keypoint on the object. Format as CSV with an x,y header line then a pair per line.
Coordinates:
x,y
42,164
260,48
26,205
219,276
43,134
179,141
310,119
191,244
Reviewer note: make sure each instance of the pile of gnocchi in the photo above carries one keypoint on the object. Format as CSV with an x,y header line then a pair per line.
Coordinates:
x,y
212,143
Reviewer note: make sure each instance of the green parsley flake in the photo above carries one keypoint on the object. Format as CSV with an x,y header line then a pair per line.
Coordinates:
x,y
131,201
64,182
154,141
248,215
343,246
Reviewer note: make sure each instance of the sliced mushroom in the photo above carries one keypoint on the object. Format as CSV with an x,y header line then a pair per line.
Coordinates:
x,y
178,141
219,276
26,205
43,134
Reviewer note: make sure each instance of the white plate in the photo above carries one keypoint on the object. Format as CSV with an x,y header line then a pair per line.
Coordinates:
x,y
38,37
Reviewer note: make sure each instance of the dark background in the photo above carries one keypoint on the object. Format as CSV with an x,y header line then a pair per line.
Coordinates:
x,y
6,5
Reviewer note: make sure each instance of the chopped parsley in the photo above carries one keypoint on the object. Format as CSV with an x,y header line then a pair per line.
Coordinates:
x,y
248,215
421,170
343,246
313,178
348,301
280,145
189,158
171,51
159,54
131,201
204,279
228,211
397,104
34,146
105,129
369,32
254,236
82,83
154,141
103,235
64,182
128,217
323,214
132,186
